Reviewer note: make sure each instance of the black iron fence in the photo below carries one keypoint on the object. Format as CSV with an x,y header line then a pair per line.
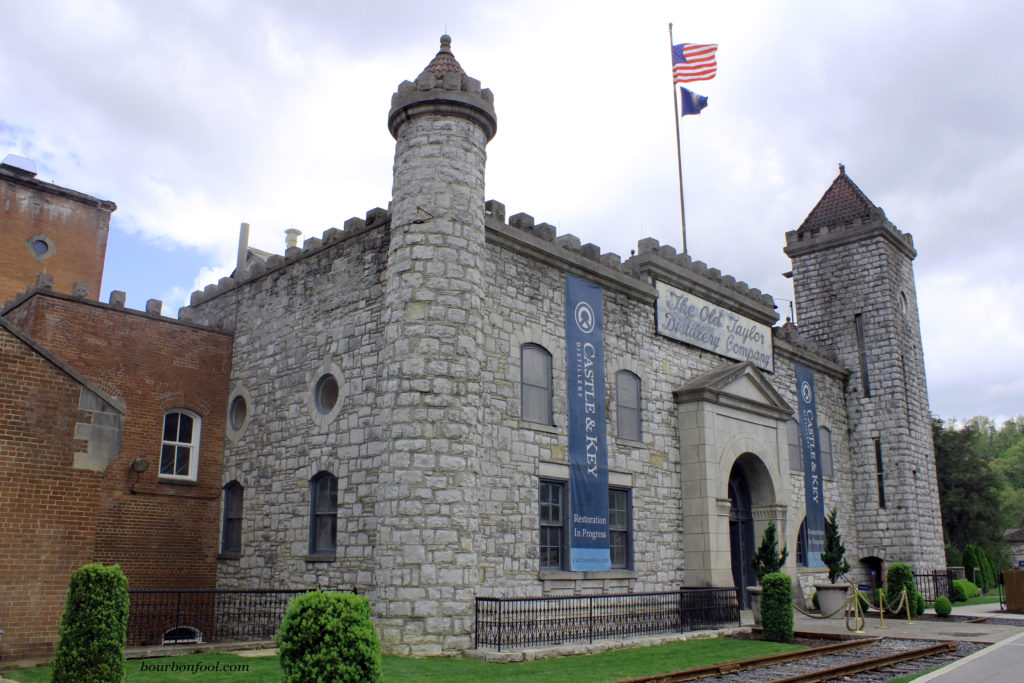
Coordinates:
x,y
934,584
526,622
166,617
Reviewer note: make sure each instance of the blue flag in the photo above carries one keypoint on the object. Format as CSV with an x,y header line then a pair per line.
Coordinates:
x,y
692,102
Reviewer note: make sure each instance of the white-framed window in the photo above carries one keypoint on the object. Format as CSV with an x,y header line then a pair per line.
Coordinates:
x,y
179,450
535,384
825,448
323,514
627,406
231,533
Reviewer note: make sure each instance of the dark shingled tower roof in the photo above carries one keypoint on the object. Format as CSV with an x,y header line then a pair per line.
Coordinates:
x,y
444,61
843,202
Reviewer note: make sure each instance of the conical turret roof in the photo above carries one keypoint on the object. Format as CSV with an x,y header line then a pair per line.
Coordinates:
x,y
444,61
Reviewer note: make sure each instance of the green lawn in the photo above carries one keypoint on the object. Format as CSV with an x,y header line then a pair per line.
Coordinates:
x,y
606,666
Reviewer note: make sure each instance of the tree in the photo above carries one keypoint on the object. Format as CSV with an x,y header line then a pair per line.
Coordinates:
x,y
834,556
768,559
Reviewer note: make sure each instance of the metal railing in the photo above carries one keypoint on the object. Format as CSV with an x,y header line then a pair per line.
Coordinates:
x,y
934,584
527,622
165,617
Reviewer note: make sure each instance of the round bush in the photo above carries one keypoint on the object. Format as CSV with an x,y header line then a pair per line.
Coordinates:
x,y
862,598
876,596
777,607
329,637
94,627
918,603
943,607
814,601
964,590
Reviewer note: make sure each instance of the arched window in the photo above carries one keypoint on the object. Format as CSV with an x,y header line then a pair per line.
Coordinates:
x,y
825,446
627,405
796,458
323,514
231,532
801,544
179,450
536,384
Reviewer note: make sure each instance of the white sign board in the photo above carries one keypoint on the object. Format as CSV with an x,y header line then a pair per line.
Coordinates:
x,y
688,318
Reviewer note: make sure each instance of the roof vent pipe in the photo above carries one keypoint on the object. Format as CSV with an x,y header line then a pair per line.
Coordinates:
x,y
291,238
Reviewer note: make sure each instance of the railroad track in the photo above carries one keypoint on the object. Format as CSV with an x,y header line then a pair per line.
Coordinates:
x,y
867,659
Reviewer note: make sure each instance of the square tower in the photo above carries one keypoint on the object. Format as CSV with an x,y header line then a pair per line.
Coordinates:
x,y
853,282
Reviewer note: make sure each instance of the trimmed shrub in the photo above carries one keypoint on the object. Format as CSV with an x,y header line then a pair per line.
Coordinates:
x,y
876,596
768,559
329,637
814,601
94,627
964,590
862,598
777,607
900,576
943,607
918,602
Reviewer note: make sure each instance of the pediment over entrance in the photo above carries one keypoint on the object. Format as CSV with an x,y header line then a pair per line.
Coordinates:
x,y
740,385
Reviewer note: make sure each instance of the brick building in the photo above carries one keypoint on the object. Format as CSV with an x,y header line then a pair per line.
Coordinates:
x,y
49,229
159,385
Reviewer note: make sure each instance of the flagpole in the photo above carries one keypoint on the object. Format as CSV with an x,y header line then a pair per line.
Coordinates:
x,y
679,144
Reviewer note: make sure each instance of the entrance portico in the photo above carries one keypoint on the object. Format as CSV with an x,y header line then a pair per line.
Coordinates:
x,y
733,450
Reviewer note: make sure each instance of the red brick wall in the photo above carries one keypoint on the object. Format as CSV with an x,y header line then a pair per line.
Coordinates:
x,y
49,510
76,224
164,534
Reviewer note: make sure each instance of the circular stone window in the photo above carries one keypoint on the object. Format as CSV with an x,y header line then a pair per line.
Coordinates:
x,y
238,412
326,394
40,247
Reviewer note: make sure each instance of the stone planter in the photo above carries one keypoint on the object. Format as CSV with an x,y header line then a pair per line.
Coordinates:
x,y
755,603
831,596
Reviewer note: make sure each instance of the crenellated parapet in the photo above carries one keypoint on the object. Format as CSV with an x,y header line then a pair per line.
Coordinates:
x,y
353,227
652,260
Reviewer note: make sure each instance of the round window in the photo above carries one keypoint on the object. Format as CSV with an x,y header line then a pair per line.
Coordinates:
x,y
238,412
326,393
40,247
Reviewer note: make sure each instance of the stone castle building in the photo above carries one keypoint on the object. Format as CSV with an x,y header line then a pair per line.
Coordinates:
x,y
401,411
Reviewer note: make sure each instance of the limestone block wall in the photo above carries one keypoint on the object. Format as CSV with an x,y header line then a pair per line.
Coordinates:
x,y
317,311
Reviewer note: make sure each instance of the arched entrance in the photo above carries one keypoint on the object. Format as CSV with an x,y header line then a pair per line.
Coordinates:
x,y
741,534
751,507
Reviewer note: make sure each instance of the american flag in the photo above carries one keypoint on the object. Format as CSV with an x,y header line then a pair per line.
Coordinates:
x,y
693,62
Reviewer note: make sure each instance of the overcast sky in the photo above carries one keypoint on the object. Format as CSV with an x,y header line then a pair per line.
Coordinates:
x,y
196,115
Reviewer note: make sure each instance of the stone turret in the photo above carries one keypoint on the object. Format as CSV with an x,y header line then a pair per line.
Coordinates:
x,y
428,534
853,282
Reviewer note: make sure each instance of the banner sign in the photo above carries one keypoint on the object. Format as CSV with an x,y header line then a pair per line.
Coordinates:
x,y
814,494
588,442
688,318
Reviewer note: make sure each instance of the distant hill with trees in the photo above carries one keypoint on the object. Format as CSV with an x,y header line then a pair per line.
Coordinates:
x,y
981,483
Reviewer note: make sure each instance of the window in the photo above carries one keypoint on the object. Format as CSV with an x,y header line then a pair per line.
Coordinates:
x,y
825,446
231,533
801,544
536,384
796,457
326,394
627,405
858,322
619,528
179,452
238,413
554,537
323,515
880,473
552,524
